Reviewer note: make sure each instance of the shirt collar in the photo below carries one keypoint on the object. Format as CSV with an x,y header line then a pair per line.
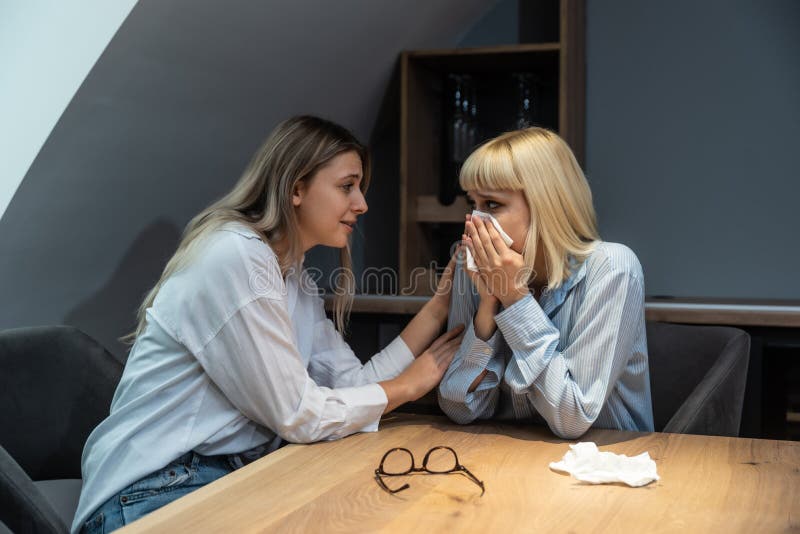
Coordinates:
x,y
555,298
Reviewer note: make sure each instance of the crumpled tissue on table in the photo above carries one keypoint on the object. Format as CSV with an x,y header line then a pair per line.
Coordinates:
x,y
586,463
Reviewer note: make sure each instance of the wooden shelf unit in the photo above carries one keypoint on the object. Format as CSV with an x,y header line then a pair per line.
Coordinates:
x,y
427,228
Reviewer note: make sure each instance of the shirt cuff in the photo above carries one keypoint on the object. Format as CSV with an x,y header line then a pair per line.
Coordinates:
x,y
523,320
479,352
398,352
365,406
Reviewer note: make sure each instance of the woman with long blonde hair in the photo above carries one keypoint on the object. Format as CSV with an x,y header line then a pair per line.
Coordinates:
x,y
233,353
556,327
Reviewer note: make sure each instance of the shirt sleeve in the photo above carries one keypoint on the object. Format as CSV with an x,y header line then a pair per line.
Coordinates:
x,y
472,358
230,308
334,364
254,361
569,387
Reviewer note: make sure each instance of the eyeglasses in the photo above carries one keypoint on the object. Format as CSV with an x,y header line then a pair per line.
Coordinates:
x,y
439,460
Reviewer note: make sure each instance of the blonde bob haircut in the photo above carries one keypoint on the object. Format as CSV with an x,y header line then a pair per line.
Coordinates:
x,y
295,150
539,163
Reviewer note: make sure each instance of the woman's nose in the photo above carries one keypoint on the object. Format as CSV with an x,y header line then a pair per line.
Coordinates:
x,y
360,203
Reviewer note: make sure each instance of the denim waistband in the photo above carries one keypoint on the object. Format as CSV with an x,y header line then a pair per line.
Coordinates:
x,y
235,461
243,458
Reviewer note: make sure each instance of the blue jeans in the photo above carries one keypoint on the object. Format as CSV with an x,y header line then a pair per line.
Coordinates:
x,y
186,474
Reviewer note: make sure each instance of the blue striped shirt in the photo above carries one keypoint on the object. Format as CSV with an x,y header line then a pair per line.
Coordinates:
x,y
577,358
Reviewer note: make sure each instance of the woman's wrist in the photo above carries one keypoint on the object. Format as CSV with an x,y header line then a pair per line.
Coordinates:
x,y
512,297
488,302
484,320
397,392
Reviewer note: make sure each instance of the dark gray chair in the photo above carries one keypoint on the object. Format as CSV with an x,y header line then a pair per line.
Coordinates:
x,y
697,377
56,385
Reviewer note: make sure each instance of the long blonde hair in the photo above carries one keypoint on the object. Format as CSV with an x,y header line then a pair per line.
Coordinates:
x,y
540,164
261,199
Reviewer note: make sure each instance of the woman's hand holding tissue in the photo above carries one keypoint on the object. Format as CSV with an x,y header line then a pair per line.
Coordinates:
x,y
501,271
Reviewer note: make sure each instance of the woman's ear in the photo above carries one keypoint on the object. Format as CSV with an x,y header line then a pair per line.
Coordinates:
x,y
298,193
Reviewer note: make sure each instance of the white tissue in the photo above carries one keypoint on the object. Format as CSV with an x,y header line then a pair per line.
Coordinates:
x,y
588,464
508,241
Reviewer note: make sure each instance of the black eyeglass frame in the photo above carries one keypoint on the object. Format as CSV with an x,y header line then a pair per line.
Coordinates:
x,y
458,468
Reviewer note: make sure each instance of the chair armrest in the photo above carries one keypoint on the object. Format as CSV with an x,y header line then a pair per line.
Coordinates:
x,y
715,406
23,508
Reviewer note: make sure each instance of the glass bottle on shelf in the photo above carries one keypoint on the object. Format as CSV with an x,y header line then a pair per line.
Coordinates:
x,y
456,145
526,100
473,135
466,140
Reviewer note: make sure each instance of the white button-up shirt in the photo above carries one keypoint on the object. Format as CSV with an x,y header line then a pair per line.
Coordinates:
x,y
233,356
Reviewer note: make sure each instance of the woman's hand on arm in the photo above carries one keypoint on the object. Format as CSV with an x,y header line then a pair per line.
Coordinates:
x,y
425,372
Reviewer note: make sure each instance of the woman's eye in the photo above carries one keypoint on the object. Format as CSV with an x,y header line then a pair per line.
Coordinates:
x,y
347,188
491,205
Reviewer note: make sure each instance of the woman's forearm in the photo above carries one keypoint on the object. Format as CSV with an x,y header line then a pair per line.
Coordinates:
x,y
484,322
425,326
477,381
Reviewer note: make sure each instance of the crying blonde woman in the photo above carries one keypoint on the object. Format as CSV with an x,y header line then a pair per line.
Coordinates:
x,y
555,320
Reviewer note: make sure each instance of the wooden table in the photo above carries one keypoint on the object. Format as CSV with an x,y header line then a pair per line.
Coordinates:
x,y
708,484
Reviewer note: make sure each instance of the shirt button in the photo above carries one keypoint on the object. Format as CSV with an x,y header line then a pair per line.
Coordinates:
x,y
124,499
172,473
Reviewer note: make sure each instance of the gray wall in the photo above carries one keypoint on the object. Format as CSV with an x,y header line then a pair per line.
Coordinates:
x,y
693,132
166,121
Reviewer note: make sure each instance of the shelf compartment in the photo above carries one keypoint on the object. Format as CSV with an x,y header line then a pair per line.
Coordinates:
x,y
430,210
427,227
